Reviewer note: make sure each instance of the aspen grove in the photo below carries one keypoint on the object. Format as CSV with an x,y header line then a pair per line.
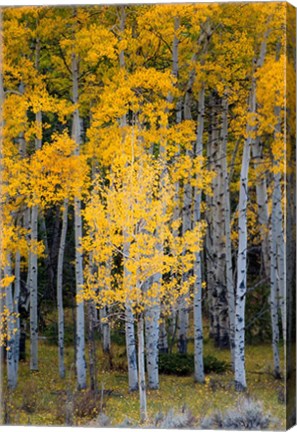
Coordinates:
x,y
143,189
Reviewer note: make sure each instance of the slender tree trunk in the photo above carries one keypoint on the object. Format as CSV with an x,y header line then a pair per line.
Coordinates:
x,y
183,309
92,346
215,238
60,290
209,230
80,319
219,260
130,332
241,288
280,243
16,300
11,340
198,324
33,271
273,286
152,316
228,244
141,366
33,259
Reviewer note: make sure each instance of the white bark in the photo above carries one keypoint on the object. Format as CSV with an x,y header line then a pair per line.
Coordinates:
x,y
183,306
33,262
60,290
92,345
141,366
130,332
11,340
220,311
152,315
183,309
209,234
16,299
80,319
33,259
241,288
273,286
280,239
198,324
228,244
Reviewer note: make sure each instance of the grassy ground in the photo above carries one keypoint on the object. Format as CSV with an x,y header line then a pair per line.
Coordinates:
x,y
41,397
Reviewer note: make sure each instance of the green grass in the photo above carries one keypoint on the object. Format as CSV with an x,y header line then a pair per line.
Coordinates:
x,y
40,397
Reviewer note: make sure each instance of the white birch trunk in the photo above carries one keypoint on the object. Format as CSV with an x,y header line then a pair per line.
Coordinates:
x,y
221,328
273,286
241,288
11,341
280,239
209,233
228,244
92,345
33,261
16,300
141,370
183,309
80,319
60,290
152,316
33,271
130,332
198,324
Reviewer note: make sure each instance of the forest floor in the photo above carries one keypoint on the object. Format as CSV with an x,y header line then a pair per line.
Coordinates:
x,y
44,398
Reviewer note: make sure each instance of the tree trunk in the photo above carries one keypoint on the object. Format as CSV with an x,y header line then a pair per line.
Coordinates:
x,y
33,259
152,316
80,319
273,286
221,328
183,309
60,290
280,243
92,346
141,365
16,300
130,333
198,324
241,288
228,244
11,340
33,291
